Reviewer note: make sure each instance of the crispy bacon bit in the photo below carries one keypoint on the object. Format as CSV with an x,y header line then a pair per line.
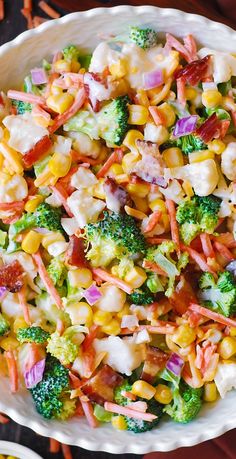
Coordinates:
x,y
37,152
182,296
195,72
11,276
154,362
100,387
210,128
116,196
75,254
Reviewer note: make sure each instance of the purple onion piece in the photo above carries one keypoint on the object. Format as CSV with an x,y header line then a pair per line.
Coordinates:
x,y
185,126
175,364
35,374
39,76
153,79
92,295
3,291
231,267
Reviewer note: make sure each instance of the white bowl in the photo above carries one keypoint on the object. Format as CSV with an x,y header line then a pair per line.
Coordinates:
x,y
19,451
17,57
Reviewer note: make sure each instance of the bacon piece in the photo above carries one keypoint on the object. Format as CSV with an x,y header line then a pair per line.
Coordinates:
x,y
195,71
154,362
75,254
209,129
12,206
11,276
116,196
100,387
182,296
37,152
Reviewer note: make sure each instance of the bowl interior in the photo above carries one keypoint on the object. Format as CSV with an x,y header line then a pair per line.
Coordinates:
x,y
21,452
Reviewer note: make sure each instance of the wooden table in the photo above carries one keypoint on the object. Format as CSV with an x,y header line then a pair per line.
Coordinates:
x,y
14,24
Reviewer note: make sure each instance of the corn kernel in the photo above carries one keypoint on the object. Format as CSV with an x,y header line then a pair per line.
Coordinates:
x,y
45,179
227,347
125,311
52,237
98,191
115,169
141,204
158,204
59,164
166,222
130,140
190,93
143,389
19,322
187,187
135,213
31,242
102,317
138,189
136,277
112,328
217,146
211,98
129,160
198,156
210,392
9,343
84,313
122,179
80,278
173,157
33,203
168,112
163,394
59,103
232,331
184,335
62,66
12,156
138,114
118,69
119,422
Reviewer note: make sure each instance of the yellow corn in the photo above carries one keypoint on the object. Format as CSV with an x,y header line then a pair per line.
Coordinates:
x,y
119,422
136,277
143,389
210,392
122,178
198,156
158,94
9,343
115,169
45,179
59,164
135,213
163,394
138,114
1,160
52,237
19,322
168,112
129,160
173,157
33,203
142,97
211,98
102,317
84,313
130,140
80,278
112,328
184,335
12,156
138,189
141,204
227,347
232,331
98,191
217,146
31,242
62,66
10,457
118,69
158,204
228,103
125,311
190,93
166,222
187,187
59,103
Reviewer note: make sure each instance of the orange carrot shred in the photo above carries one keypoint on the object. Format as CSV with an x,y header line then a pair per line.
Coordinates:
x,y
158,117
28,5
24,305
54,446
212,315
223,250
107,277
207,245
48,10
38,20
12,369
62,194
3,419
61,119
154,218
88,411
2,12
115,157
198,258
66,451
170,205
181,90
154,268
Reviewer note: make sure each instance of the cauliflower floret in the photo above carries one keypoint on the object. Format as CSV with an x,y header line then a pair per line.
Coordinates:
x,y
11,309
85,208
83,178
173,191
153,133
12,187
69,225
123,355
112,299
62,145
224,64
228,161
84,145
103,56
24,133
225,378
203,176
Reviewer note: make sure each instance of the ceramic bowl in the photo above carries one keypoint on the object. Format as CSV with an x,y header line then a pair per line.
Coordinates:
x,y
18,451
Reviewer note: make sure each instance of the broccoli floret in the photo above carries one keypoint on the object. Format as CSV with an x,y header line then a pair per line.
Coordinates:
x,y
199,214
141,296
62,348
51,395
116,236
50,311
32,88
32,335
71,53
190,143
186,403
21,107
57,271
45,216
144,38
221,295
138,425
85,61
109,124
4,325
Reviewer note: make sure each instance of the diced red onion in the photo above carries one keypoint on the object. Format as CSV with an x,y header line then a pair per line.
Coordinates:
x,y
129,321
175,364
185,126
208,85
35,374
153,79
39,76
92,295
3,291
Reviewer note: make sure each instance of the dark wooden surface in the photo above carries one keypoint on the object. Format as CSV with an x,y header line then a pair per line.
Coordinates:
x,y
14,24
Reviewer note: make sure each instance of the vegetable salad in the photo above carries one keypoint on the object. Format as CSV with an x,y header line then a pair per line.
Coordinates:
x,y
118,231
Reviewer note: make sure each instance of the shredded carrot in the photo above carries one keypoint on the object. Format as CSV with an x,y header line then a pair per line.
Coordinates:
x,y
47,281
24,305
3,419
12,370
181,96
196,374
48,10
207,245
224,251
38,20
225,238
107,277
88,341
198,258
54,446
2,12
157,240
66,451
129,412
61,193
170,205
153,220
62,119
27,14
14,206
75,156
33,356
60,326
212,315
154,268
158,117
25,97
191,46
128,395
115,157
88,411
28,5
172,42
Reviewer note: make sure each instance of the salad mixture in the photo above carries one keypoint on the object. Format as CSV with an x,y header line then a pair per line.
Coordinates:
x,y
118,231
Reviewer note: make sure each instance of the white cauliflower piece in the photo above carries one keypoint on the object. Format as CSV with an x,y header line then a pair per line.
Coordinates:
x,y
62,145
224,64
103,56
57,248
83,178
24,133
173,191
84,145
84,207
228,161
11,308
225,378
153,133
203,176
112,299
123,355
12,187
70,225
